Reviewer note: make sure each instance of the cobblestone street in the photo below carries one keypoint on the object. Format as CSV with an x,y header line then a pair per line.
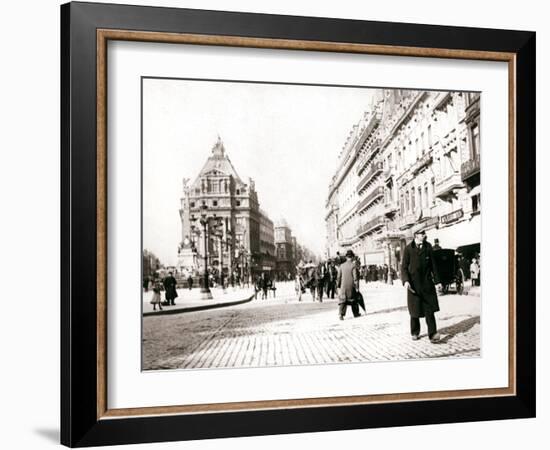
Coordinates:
x,y
282,331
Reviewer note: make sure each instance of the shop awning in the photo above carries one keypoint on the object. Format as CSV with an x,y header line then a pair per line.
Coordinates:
x,y
463,233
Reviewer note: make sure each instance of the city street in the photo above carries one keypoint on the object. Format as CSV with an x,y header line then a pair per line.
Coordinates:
x,y
282,331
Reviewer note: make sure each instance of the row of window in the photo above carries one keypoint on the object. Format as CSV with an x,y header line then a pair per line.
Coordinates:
x,y
215,187
420,197
214,203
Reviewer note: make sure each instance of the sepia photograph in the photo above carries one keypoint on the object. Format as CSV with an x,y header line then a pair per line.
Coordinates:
x,y
297,224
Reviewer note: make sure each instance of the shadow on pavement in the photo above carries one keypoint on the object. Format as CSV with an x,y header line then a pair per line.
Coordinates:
x,y
458,328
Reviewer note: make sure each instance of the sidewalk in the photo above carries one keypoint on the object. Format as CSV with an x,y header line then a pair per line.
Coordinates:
x,y
387,299
190,300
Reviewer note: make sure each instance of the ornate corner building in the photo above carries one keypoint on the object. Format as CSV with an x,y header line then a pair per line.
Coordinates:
x,y
411,162
246,243
238,247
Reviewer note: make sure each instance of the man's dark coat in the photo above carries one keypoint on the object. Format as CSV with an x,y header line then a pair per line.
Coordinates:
x,y
419,269
170,288
347,281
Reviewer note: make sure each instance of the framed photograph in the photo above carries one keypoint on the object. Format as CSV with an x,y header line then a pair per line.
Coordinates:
x,y
278,224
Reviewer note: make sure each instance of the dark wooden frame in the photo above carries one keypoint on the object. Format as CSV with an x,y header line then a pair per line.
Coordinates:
x,y
85,418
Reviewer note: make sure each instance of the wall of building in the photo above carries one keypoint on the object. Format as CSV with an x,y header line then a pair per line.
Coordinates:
x,y
417,167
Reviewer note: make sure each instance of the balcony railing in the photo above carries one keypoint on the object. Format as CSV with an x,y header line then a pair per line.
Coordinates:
x,y
406,222
426,213
375,169
445,187
376,193
470,168
367,157
422,162
391,207
346,242
371,225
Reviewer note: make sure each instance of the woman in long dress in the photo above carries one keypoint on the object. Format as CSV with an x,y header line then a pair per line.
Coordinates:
x,y
155,300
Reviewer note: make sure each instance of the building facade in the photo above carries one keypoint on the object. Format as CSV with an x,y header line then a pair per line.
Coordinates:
x,y
234,245
267,243
414,163
285,246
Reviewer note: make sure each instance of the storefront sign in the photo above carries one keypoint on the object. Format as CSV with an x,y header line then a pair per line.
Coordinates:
x,y
451,217
431,222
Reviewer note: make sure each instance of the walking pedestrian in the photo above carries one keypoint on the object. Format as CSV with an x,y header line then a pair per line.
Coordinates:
x,y
311,278
257,286
331,284
264,284
190,282
418,273
146,283
299,286
155,300
321,280
170,289
474,271
348,285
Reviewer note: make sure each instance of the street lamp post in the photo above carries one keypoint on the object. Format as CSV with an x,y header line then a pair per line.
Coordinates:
x,y
218,232
204,220
242,264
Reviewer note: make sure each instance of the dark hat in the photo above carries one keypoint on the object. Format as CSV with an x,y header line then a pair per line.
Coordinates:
x,y
350,254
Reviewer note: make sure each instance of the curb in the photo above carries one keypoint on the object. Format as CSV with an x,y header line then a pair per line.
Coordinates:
x,y
165,312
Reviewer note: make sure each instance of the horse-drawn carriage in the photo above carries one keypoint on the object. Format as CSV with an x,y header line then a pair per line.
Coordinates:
x,y
450,273
307,275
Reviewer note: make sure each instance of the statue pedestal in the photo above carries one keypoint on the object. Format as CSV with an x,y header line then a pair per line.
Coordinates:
x,y
187,261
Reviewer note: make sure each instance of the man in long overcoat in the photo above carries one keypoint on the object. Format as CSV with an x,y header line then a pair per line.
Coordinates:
x,y
332,273
419,275
322,277
348,286
170,289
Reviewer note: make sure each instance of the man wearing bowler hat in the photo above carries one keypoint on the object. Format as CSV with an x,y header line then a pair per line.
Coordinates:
x,y
348,284
419,276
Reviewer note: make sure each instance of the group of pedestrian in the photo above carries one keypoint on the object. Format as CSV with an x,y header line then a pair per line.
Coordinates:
x,y
378,272
320,279
419,276
264,284
373,272
169,284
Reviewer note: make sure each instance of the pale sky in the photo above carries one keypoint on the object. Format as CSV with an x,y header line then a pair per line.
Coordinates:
x,y
286,137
